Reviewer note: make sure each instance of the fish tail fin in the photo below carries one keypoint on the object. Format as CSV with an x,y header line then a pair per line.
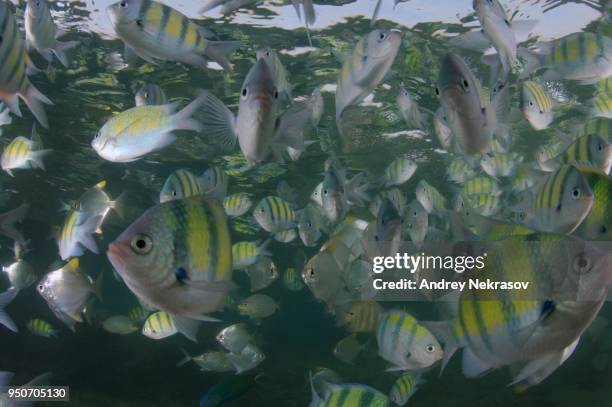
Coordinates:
x,y
37,158
8,220
118,204
183,120
98,285
40,380
12,102
5,117
219,121
218,50
309,12
441,330
375,13
262,249
186,357
60,51
187,326
34,99
356,188
87,229
5,298
532,60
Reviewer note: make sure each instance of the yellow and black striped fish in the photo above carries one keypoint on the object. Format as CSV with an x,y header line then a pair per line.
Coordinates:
x,y
561,203
600,126
598,223
14,81
159,325
349,395
156,31
274,214
590,150
363,316
41,328
581,56
536,105
177,257
180,184
150,95
602,105
237,204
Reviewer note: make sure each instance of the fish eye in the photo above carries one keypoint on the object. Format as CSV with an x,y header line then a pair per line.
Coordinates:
x,y
530,103
123,4
0,39
382,36
430,348
275,94
244,92
146,95
268,53
262,210
272,270
40,287
311,272
465,84
309,224
437,91
141,244
599,147
582,263
576,193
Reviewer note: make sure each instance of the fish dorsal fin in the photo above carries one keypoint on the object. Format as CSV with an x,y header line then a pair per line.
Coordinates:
x,y
73,263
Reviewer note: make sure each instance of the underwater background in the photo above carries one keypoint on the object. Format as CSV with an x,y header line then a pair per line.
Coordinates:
x,y
103,369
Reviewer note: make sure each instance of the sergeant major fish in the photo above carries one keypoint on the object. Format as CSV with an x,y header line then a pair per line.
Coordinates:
x,y
42,34
154,30
14,81
177,257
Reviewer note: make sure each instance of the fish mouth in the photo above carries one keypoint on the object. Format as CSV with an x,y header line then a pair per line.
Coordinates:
x,y
262,97
117,254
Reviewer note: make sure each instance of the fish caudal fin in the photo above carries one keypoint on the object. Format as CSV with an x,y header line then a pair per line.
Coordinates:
x,y
8,220
5,298
183,120
34,99
86,231
60,51
539,369
356,188
37,158
533,61
218,50
186,326
12,102
185,359
118,204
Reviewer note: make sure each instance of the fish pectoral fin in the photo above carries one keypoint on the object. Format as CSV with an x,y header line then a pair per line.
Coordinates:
x,y
472,366
539,369
139,53
474,40
218,121
522,29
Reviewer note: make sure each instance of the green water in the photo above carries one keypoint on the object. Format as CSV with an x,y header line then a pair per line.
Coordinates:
x,y
111,370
